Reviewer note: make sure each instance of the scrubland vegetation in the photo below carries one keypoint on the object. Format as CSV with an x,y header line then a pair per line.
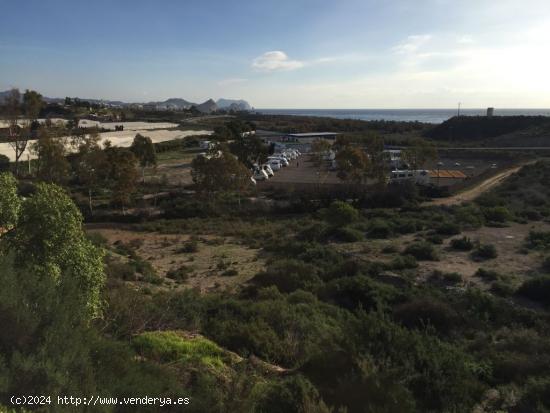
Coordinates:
x,y
366,303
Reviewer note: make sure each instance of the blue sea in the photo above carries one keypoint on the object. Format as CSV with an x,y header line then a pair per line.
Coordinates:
x,y
409,115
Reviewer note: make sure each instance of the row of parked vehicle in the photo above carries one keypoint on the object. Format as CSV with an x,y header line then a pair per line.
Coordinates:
x,y
274,163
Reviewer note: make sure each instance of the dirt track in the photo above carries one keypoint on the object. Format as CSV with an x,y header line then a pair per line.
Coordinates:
x,y
472,193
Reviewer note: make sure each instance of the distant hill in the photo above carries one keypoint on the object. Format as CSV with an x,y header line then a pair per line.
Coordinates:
x,y
233,104
171,103
207,107
477,128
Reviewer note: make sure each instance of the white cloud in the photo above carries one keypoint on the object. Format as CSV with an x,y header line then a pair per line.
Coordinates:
x,y
275,61
465,39
412,44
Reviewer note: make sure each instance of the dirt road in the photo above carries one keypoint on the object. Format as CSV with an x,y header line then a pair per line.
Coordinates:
x,y
472,193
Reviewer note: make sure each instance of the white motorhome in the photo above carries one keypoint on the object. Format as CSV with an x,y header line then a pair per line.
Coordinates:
x,y
420,176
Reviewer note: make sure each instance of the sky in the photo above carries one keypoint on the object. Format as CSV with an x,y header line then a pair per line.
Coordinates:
x,y
284,53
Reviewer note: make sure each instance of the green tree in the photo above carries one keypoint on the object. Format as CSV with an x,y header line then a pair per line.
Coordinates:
x,y
53,166
10,203
418,153
319,147
32,104
92,165
377,160
49,240
51,278
144,150
353,164
123,175
17,135
249,149
221,171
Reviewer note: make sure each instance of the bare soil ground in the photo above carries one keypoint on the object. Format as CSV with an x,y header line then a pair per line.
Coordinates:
x,y
472,193
208,267
512,261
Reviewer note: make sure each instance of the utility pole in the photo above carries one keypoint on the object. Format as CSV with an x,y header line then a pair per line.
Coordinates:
x,y
458,113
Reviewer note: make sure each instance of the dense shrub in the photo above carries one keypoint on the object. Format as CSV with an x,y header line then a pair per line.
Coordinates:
x,y
448,228
288,275
340,214
488,275
4,163
406,226
421,251
379,228
402,262
462,244
189,247
485,252
180,273
497,214
537,289
538,240
546,264
422,312
469,216
435,239
446,278
359,291
346,234
502,288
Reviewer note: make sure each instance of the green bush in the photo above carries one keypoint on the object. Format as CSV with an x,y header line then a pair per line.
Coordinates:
x,y
435,239
422,251
189,247
403,262
288,275
452,278
230,272
502,288
389,249
538,240
346,234
406,226
537,289
462,244
379,228
4,163
97,239
421,312
448,228
179,274
469,216
485,252
169,346
497,214
340,214
488,275
118,269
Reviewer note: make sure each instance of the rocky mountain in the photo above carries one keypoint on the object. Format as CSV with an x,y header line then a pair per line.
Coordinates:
x,y
173,103
207,107
233,104
169,104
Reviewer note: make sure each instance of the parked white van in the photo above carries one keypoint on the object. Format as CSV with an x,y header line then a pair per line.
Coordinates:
x,y
274,164
260,175
268,170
